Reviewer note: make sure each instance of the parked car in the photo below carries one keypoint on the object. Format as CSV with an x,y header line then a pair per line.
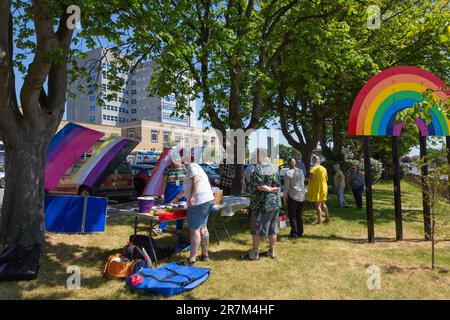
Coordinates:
x,y
214,167
117,185
214,178
141,175
2,177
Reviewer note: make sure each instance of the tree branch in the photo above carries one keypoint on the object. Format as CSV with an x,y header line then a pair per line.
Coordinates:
x,y
8,101
38,70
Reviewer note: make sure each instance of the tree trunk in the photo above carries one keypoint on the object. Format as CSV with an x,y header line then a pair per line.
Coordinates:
x,y
22,217
238,179
306,158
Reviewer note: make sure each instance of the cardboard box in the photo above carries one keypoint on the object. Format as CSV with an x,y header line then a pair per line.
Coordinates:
x,y
218,197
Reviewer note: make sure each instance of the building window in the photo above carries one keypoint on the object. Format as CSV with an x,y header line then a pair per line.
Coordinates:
x,y
177,138
166,137
133,91
213,141
92,119
91,108
104,117
133,110
168,106
205,142
196,141
170,98
133,82
154,136
130,133
91,98
133,101
187,140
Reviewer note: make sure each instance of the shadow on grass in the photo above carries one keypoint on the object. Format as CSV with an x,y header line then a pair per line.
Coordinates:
x,y
54,261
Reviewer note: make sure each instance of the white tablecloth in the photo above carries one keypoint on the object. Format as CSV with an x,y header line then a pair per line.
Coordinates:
x,y
233,203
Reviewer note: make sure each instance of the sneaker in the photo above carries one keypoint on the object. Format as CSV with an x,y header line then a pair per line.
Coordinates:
x,y
250,255
271,252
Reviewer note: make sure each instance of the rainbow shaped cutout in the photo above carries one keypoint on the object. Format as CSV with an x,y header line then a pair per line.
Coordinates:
x,y
377,104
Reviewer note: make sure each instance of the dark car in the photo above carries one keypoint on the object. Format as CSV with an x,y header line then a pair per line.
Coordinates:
x,y
213,177
117,185
213,167
141,175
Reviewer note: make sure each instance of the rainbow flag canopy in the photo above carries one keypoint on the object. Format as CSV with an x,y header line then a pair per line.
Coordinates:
x,y
66,147
154,184
85,155
376,106
101,160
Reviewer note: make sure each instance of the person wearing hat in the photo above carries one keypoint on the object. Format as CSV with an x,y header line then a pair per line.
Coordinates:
x,y
172,185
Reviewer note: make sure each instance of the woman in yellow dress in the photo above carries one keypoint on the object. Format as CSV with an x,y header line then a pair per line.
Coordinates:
x,y
318,188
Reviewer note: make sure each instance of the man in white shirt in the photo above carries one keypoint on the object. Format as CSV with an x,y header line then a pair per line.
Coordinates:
x,y
198,192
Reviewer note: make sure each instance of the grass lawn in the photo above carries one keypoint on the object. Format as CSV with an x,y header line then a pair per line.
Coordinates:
x,y
329,262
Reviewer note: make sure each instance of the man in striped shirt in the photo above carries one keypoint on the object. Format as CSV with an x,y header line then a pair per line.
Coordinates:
x,y
172,186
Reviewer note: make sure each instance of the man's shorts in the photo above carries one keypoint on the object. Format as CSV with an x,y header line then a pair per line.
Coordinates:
x,y
264,224
197,216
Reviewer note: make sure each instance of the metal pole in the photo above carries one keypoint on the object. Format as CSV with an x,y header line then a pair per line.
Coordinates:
x,y
425,190
397,192
369,203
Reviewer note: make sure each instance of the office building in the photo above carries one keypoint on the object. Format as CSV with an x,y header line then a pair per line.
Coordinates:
x,y
131,103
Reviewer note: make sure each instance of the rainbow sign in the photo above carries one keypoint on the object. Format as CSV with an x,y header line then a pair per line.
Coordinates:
x,y
391,91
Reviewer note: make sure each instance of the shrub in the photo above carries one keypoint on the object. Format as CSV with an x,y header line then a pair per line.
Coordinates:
x,y
376,168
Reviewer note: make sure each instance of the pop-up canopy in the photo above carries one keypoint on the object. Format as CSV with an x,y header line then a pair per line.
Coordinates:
x,y
67,146
154,185
91,156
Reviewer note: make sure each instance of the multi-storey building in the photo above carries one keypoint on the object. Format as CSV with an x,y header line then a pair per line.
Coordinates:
x,y
155,136
131,103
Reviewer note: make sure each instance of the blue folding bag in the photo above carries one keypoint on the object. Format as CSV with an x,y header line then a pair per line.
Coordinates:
x,y
167,280
75,214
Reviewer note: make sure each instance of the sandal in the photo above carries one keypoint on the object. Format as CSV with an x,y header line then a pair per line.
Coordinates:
x,y
204,258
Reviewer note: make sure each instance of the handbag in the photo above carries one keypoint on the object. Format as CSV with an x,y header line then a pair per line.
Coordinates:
x,y
120,267
19,262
